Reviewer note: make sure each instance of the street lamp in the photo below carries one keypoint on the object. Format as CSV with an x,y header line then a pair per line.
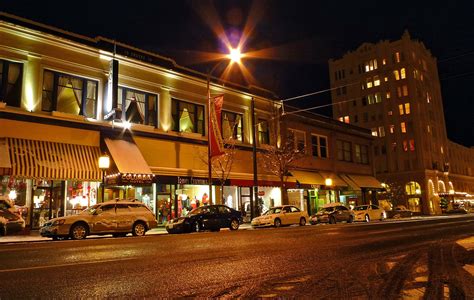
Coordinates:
x,y
234,56
104,164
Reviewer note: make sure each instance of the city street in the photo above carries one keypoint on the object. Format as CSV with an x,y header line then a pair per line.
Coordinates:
x,y
375,260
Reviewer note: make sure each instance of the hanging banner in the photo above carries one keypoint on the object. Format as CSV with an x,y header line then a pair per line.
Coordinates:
x,y
216,143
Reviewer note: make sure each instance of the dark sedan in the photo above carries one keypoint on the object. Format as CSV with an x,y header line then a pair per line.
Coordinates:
x,y
209,217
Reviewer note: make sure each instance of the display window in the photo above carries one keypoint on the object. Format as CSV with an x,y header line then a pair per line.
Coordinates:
x,y
80,195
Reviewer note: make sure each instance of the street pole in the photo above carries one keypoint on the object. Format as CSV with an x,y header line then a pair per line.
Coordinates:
x,y
254,155
209,158
103,185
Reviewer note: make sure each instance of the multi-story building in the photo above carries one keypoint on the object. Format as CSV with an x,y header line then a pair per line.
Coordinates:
x,y
393,89
66,100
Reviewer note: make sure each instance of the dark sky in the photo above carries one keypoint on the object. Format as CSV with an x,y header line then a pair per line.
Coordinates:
x,y
303,35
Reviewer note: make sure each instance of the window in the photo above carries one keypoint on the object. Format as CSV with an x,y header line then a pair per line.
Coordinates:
x,y
346,119
232,125
381,131
399,91
392,128
387,95
319,146
138,107
407,108
405,90
378,98
405,145
361,154
298,138
403,74
10,82
400,108
403,127
376,81
371,65
369,83
396,75
396,57
371,99
187,117
344,151
374,131
390,113
69,94
412,145
263,132
356,119
365,117
384,61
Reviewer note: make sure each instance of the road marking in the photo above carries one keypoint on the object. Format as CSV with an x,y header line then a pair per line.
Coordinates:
x,y
467,243
65,265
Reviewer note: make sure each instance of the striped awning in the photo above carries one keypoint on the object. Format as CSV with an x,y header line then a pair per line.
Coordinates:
x,y
5,163
53,161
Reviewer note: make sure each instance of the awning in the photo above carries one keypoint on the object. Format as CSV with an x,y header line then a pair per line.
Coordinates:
x,y
365,181
306,177
336,180
5,164
352,185
53,161
127,157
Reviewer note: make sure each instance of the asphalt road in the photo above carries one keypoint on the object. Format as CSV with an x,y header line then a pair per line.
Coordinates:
x,y
377,261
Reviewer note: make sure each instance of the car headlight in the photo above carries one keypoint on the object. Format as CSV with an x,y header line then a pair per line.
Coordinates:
x,y
58,222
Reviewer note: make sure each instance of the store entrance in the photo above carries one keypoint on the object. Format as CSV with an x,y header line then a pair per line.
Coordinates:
x,y
48,202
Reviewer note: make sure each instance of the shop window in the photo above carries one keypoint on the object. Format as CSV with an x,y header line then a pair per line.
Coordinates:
x,y
263,132
10,82
319,146
344,150
69,94
232,126
187,117
412,188
138,107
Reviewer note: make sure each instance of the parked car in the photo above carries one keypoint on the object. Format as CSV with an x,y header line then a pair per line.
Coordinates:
x,y
209,217
400,211
114,217
332,213
281,215
10,219
367,213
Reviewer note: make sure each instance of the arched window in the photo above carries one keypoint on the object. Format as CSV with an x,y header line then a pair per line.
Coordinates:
x,y
413,188
441,187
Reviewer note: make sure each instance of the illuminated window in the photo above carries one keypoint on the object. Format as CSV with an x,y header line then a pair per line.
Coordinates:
x,y
138,107
187,117
405,145
374,131
403,74
347,119
397,57
369,83
381,131
341,119
344,150
400,108
376,81
392,128
69,94
378,98
442,150
403,127
385,78
428,98
371,99
10,82
387,95
412,145
396,75
384,61
405,90
390,113
232,125
407,108
399,91
319,146
263,132
428,129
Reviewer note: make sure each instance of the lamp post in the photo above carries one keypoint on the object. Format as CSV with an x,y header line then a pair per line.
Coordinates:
x,y
104,164
234,56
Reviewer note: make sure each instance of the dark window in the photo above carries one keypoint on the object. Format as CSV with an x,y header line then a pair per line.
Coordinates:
x,y
364,101
187,117
344,90
366,117
69,94
107,207
232,125
344,151
354,103
356,118
10,82
263,132
319,146
138,107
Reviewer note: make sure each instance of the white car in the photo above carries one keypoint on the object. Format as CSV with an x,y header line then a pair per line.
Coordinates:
x,y
281,215
367,213
112,217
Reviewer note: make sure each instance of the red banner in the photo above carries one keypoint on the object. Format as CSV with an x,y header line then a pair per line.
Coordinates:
x,y
216,143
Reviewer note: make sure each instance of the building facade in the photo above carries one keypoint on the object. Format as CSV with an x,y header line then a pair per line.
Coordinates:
x,y
393,89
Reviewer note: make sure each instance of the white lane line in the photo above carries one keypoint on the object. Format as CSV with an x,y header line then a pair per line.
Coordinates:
x,y
65,265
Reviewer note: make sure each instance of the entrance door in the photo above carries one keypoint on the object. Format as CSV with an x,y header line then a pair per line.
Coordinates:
x,y
244,205
40,207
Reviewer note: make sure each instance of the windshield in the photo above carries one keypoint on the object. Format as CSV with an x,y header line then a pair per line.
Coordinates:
x,y
363,207
91,210
274,210
198,210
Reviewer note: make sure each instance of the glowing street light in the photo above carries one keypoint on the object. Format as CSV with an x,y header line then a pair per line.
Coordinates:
x,y
235,55
104,164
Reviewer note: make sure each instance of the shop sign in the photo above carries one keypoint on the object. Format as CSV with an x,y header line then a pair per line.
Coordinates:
x,y
261,193
130,178
193,180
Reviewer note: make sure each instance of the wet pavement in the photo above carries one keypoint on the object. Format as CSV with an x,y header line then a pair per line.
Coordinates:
x,y
429,258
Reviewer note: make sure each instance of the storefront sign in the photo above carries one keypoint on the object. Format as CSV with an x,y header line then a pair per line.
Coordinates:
x,y
193,180
130,179
261,193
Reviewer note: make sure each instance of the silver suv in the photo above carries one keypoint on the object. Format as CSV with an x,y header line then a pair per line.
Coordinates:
x,y
112,217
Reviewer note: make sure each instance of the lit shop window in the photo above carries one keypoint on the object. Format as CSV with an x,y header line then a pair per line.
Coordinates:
x,y
10,82
232,126
345,119
69,94
403,74
403,127
138,107
187,117
319,146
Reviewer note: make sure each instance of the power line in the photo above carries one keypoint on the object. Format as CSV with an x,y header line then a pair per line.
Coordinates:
x,y
454,57
317,92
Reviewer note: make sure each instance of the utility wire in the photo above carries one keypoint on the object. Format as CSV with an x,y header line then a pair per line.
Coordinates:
x,y
317,92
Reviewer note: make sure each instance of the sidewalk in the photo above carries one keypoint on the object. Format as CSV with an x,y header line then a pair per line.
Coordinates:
x,y
34,236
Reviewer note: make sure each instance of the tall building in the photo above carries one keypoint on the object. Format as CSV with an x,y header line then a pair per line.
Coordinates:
x,y
393,89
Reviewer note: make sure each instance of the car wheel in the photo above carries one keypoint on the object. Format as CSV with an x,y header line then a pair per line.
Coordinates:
x,y
332,220
277,223
139,229
302,221
234,224
78,231
351,219
367,218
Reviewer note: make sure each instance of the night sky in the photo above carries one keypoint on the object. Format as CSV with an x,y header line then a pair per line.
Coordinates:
x,y
299,38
